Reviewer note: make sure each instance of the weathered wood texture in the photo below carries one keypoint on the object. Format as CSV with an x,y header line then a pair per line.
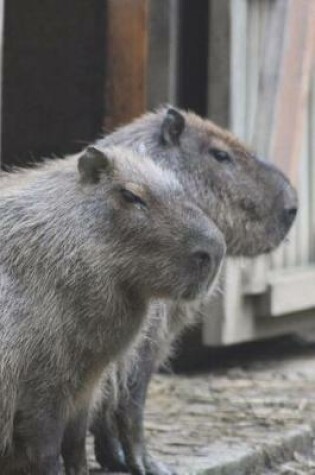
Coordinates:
x,y
264,51
293,86
126,47
1,53
312,166
163,18
219,62
278,107
267,66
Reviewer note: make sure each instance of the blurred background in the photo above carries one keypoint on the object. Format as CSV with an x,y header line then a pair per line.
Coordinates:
x,y
72,70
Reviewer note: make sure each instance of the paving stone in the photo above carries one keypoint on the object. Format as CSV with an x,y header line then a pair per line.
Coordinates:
x,y
257,419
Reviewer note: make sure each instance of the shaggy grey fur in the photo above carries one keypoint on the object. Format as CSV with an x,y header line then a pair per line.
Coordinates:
x,y
254,206
81,255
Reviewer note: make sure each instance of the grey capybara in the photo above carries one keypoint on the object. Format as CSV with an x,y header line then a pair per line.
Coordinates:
x,y
85,244
252,203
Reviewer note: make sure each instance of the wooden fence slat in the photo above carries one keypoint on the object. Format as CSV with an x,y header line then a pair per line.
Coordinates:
x,y
312,169
253,45
273,41
126,60
238,67
219,62
304,193
163,54
293,86
1,69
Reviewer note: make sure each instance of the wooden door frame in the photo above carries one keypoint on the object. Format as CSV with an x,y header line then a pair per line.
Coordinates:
x,y
1,67
126,51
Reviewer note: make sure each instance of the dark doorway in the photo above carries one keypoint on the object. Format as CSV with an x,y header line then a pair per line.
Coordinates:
x,y
53,77
193,55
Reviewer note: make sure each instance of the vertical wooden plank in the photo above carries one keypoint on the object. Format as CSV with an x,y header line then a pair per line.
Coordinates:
x,y
272,16
284,85
277,257
163,18
1,72
219,62
303,188
288,144
159,52
219,95
273,42
126,60
253,63
238,67
238,324
174,50
254,270
293,86
312,166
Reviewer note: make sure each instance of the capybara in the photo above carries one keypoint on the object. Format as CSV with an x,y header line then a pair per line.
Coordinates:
x,y
86,243
254,206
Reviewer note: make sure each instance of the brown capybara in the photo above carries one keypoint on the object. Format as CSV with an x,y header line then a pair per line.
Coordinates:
x,y
251,202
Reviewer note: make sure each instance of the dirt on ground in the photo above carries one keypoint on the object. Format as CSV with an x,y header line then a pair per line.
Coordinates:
x,y
205,422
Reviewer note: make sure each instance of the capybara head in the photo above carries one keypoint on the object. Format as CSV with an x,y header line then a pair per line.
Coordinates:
x,y
251,202
157,238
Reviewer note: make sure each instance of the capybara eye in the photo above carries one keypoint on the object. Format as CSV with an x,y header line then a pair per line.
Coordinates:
x,y
220,155
130,197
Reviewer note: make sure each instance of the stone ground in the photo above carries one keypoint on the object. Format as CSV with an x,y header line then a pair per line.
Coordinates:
x,y
246,419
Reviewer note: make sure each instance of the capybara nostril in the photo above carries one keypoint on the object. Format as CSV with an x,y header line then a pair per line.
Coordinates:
x,y
290,206
289,215
201,259
292,212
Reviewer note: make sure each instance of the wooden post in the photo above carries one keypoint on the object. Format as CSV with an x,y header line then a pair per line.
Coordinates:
x,y
285,83
219,62
1,69
163,52
126,60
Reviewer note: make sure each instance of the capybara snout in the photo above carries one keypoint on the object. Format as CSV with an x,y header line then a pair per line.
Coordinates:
x,y
289,207
207,257
206,252
177,247
279,208
194,258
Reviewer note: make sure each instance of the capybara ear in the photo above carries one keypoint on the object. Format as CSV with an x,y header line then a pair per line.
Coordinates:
x,y
92,163
172,127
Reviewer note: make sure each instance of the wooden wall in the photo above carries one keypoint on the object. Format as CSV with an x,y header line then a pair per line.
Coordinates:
x,y
265,52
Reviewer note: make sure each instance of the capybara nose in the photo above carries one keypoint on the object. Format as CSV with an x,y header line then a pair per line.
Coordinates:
x,y
290,206
201,259
207,255
289,215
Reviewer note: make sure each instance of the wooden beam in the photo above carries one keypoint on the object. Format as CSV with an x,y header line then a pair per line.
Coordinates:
x,y
285,80
268,83
1,68
126,60
163,52
219,62
289,291
295,75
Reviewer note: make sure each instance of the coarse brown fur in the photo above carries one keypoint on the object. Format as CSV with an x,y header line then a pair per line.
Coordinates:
x,y
81,255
